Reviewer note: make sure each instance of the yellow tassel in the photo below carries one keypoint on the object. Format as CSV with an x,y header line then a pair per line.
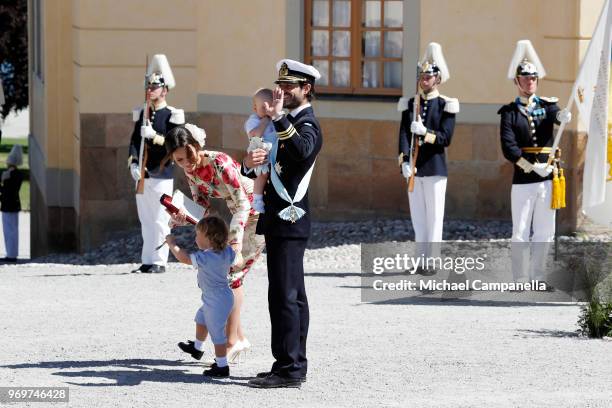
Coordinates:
x,y
555,192
562,189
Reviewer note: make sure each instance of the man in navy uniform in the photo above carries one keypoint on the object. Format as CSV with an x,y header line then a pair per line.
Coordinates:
x,y
158,175
286,222
433,130
526,131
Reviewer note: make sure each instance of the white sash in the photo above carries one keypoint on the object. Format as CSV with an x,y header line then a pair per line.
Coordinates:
x,y
290,213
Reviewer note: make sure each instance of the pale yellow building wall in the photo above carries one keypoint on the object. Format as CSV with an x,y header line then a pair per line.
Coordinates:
x,y
238,44
111,45
52,102
479,37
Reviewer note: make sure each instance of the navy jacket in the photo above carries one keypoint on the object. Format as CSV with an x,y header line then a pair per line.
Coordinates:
x,y
299,142
9,192
162,120
438,115
518,122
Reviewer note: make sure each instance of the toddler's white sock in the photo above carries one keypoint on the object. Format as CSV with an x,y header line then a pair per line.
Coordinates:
x,y
221,361
199,345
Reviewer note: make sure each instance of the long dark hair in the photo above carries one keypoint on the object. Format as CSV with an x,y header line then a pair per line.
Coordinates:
x,y
178,137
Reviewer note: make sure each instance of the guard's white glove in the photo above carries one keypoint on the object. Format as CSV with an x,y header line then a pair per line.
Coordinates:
x,y
542,169
406,170
147,132
418,128
525,165
564,116
135,171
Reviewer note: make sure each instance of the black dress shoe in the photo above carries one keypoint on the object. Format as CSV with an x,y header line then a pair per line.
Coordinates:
x,y
275,381
144,268
216,371
156,269
265,374
189,348
9,260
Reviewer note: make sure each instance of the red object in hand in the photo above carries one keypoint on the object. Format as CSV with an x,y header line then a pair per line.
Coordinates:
x,y
166,201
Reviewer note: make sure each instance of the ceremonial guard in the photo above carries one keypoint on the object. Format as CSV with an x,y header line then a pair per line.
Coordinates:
x,y
526,131
152,174
425,132
286,222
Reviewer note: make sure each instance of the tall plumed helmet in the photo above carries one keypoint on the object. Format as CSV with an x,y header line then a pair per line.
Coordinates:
x,y
525,61
159,72
433,62
15,157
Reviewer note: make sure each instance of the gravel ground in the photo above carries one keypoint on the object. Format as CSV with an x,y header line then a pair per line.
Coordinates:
x,y
111,337
125,247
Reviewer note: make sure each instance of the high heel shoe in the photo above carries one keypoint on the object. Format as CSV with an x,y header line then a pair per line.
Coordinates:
x,y
246,346
236,353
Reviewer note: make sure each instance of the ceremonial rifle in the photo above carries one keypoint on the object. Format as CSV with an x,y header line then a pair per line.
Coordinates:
x,y
414,145
143,154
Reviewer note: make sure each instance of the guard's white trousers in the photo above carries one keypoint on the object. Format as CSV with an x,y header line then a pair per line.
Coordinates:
x,y
154,220
531,210
10,228
427,213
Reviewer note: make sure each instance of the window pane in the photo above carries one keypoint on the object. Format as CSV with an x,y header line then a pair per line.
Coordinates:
x,y
320,43
371,13
323,67
342,44
393,75
341,73
371,47
342,13
370,74
320,13
393,13
393,44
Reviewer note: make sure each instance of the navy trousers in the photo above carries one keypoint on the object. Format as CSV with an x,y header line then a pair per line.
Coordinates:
x,y
288,305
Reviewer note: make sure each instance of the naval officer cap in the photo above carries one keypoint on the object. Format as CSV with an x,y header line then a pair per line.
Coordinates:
x,y
294,72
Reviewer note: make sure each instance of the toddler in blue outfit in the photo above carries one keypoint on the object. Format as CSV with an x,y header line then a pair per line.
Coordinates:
x,y
213,262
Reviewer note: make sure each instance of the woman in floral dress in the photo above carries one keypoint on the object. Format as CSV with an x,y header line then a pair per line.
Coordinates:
x,y
212,174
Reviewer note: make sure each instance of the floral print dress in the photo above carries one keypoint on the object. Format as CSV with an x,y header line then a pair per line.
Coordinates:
x,y
220,178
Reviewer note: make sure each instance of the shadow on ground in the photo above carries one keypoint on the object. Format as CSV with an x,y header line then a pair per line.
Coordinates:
x,y
128,372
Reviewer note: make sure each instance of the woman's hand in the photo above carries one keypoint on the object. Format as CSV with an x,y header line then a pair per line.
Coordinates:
x,y
178,219
256,158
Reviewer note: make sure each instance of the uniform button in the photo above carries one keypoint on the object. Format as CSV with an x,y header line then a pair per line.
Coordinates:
x,y
533,131
265,192
535,145
425,107
282,145
532,124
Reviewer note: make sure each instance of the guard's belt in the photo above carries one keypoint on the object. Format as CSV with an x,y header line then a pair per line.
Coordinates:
x,y
537,150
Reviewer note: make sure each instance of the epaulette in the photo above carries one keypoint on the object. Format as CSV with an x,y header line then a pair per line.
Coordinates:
x,y
549,99
452,104
177,116
136,113
402,104
507,108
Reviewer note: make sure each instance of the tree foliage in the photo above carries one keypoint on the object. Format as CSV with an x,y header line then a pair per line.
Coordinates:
x,y
14,54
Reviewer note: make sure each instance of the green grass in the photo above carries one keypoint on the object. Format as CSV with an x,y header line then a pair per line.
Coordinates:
x,y
5,148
